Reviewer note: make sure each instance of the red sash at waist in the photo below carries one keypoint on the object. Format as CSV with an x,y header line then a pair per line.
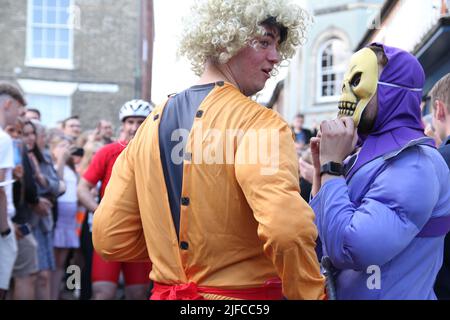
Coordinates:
x,y
271,290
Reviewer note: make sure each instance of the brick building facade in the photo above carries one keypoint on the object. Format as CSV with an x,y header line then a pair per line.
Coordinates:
x,y
77,57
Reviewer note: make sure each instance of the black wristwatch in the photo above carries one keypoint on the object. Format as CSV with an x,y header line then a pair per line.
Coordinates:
x,y
333,168
5,233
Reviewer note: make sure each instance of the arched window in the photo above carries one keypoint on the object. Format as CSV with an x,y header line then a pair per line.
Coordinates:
x,y
332,60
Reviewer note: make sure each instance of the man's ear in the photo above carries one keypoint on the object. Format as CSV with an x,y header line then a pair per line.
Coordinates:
x,y
440,110
7,104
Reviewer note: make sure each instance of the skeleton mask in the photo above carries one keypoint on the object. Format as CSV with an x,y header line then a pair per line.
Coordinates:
x,y
360,84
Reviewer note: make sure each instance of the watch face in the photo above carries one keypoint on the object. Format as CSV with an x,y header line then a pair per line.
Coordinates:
x,y
332,168
336,168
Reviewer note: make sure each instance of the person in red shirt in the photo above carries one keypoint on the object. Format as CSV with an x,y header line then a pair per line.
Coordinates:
x,y
105,275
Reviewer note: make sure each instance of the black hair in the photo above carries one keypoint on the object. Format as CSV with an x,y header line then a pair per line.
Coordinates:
x,y
381,56
35,150
276,93
272,22
35,111
70,118
13,92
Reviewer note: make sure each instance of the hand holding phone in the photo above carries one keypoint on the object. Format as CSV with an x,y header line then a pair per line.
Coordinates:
x,y
79,152
22,230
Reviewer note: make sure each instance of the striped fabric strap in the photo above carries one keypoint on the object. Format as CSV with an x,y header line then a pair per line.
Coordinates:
x,y
397,86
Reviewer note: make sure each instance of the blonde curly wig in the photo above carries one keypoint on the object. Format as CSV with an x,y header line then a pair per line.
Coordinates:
x,y
218,29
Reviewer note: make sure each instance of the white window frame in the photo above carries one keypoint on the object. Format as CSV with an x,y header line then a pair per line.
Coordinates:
x,y
30,61
319,72
49,88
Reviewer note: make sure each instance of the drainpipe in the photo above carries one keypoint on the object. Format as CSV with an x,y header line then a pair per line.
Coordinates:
x,y
147,38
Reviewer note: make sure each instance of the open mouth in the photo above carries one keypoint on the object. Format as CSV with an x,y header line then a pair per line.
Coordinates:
x,y
267,72
347,108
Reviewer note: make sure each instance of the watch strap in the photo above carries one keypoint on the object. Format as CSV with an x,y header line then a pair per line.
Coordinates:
x,y
5,233
333,168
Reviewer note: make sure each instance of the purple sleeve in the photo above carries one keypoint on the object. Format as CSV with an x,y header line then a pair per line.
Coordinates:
x,y
390,215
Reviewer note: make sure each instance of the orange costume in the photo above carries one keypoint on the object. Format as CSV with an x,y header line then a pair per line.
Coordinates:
x,y
241,227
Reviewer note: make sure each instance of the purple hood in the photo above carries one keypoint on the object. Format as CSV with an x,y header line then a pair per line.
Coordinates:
x,y
399,116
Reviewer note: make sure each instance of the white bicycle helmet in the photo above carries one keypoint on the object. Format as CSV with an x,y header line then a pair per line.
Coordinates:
x,y
135,108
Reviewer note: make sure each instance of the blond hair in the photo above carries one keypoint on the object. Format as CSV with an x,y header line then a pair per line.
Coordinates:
x,y
441,91
90,149
218,29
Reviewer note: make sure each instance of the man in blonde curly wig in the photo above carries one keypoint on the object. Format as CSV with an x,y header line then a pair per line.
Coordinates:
x,y
217,30
208,190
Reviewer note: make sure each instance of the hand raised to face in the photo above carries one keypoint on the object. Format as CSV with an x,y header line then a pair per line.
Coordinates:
x,y
339,138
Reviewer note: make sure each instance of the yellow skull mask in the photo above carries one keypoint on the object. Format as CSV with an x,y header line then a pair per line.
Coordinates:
x,y
360,84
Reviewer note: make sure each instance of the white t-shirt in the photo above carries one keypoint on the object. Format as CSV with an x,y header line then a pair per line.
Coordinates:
x,y
7,162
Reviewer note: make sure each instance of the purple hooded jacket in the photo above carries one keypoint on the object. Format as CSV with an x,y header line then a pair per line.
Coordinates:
x,y
383,225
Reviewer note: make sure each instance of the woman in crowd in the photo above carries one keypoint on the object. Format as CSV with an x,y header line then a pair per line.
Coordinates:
x,y
49,187
65,237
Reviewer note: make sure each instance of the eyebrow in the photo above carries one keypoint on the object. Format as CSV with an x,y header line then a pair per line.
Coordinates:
x,y
269,34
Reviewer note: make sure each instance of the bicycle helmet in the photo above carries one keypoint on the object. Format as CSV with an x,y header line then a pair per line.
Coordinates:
x,y
135,108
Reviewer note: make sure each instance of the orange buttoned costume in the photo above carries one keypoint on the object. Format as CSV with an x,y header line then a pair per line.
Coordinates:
x,y
239,228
